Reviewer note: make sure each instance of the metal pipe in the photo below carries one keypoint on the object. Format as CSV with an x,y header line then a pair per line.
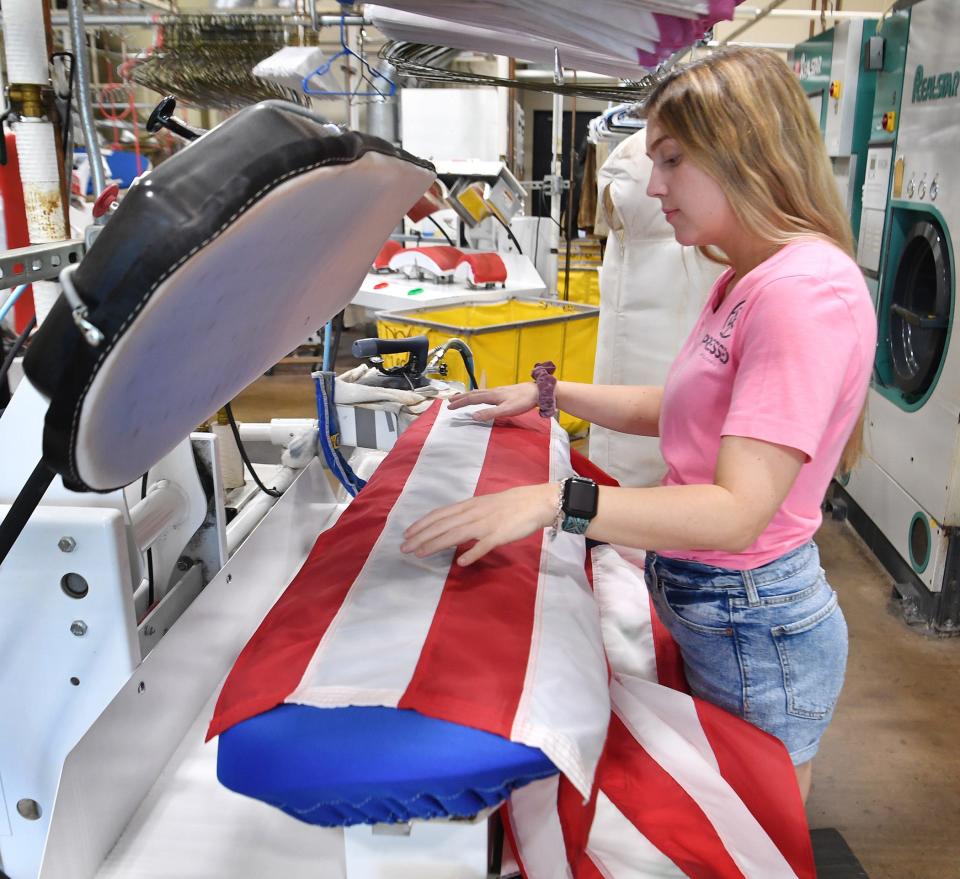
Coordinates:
x,y
753,12
164,507
760,15
82,89
122,20
746,44
556,150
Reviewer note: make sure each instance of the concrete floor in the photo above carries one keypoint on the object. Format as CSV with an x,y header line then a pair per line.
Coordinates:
x,y
888,772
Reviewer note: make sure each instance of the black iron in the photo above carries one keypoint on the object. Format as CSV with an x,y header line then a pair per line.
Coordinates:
x,y
407,376
162,117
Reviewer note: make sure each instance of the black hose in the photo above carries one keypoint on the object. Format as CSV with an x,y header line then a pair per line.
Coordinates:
x,y
513,237
443,231
143,494
69,98
15,350
467,356
243,454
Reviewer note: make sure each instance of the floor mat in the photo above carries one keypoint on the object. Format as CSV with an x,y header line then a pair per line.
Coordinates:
x,y
833,857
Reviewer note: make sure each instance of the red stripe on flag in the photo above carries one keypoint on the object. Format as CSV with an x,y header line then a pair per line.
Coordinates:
x,y
757,766
576,818
474,660
587,869
669,661
271,665
661,809
583,466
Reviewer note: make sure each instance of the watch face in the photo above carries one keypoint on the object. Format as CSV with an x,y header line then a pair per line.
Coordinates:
x,y
580,498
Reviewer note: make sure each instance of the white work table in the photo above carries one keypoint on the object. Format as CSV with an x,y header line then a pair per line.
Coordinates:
x,y
522,280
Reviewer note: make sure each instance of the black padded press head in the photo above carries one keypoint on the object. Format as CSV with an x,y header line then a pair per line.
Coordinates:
x,y
213,267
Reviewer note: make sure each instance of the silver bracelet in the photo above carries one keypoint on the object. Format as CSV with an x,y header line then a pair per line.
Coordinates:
x,y
559,517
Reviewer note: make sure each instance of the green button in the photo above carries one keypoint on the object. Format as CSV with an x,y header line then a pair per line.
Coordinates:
x,y
414,291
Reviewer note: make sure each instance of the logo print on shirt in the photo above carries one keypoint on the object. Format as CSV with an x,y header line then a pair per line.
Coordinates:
x,y
732,320
716,348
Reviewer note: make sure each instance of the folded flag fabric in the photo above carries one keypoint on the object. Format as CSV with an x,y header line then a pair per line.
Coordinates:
x,y
510,645
540,643
684,788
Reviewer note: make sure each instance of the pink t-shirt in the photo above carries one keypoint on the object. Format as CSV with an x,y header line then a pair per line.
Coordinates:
x,y
786,358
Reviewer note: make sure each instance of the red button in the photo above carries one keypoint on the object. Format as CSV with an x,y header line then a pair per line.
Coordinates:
x,y
105,199
381,285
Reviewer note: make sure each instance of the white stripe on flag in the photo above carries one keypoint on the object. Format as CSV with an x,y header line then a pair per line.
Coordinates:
x,y
566,655
535,821
664,723
620,851
624,603
390,606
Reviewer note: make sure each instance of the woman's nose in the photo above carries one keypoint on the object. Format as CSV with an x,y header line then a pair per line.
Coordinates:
x,y
655,187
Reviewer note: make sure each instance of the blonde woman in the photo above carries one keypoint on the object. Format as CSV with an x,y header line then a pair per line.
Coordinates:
x,y
759,410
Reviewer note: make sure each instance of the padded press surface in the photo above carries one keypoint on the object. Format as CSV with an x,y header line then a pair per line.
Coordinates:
x,y
214,266
366,765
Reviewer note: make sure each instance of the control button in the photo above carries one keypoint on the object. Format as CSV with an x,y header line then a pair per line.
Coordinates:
x,y
835,89
889,121
106,201
912,187
935,188
923,187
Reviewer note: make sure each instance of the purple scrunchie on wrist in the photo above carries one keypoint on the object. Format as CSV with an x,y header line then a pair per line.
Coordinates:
x,y
542,374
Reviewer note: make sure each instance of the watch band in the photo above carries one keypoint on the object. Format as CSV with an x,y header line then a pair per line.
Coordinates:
x,y
575,525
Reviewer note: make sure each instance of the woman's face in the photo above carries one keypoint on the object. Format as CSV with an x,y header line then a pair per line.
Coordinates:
x,y
692,201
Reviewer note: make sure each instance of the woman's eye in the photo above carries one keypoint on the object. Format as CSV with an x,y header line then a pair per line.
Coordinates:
x,y
671,161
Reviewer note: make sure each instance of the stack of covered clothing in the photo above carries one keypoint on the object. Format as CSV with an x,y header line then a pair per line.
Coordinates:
x,y
617,37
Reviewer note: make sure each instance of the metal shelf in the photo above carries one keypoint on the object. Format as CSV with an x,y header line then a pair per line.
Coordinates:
x,y
39,262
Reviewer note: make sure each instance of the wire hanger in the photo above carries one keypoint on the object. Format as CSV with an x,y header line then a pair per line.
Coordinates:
x,y
371,76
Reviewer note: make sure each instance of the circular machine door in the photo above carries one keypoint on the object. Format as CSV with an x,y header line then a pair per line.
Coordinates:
x,y
920,309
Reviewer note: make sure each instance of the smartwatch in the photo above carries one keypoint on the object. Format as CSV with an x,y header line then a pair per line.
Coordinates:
x,y
578,504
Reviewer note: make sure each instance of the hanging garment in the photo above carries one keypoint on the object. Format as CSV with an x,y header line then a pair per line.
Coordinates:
x,y
520,646
651,291
587,211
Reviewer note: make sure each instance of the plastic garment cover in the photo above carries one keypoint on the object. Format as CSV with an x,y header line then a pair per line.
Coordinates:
x,y
651,291
618,37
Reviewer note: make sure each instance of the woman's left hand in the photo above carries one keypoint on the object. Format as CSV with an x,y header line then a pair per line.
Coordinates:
x,y
491,520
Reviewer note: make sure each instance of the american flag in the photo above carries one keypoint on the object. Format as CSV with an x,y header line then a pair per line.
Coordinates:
x,y
539,642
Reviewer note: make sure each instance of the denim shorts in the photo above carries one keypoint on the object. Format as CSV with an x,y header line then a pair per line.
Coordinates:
x,y
769,645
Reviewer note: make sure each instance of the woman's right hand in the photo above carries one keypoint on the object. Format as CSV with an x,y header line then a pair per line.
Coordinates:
x,y
506,400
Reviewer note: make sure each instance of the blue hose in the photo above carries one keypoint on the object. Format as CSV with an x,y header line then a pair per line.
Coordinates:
x,y
11,301
327,346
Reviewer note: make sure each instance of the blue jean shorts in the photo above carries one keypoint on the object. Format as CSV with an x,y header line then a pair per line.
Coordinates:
x,y
769,645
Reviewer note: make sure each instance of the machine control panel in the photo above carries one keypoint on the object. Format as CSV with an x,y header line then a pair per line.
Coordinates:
x,y
876,186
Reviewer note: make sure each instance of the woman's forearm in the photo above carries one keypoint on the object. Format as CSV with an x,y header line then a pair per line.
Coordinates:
x,y
622,408
675,517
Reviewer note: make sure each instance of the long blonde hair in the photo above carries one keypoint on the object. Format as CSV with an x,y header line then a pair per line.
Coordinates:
x,y
742,117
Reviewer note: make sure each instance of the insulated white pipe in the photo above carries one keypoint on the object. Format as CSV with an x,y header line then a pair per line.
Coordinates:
x,y
40,177
250,516
165,506
25,42
278,432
